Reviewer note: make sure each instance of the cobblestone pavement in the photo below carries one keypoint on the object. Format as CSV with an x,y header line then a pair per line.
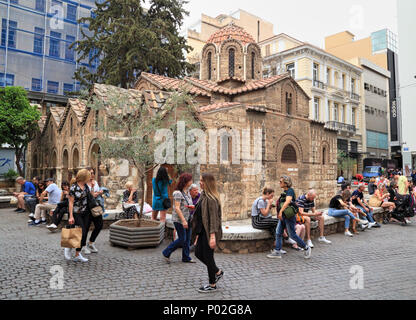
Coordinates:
x,y
387,256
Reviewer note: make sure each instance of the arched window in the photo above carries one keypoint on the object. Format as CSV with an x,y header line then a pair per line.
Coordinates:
x,y
253,58
324,155
288,103
209,65
71,128
231,62
289,154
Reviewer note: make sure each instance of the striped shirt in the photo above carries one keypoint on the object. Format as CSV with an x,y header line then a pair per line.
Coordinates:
x,y
303,202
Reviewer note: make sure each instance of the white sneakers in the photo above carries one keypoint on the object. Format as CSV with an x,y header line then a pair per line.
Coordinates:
x,y
52,227
90,248
68,253
363,222
310,244
324,240
348,234
290,241
80,258
308,252
371,224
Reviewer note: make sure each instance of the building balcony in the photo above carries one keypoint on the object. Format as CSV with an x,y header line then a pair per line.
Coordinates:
x,y
342,127
319,84
354,96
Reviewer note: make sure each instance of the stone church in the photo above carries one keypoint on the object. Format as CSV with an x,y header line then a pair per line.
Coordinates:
x,y
232,97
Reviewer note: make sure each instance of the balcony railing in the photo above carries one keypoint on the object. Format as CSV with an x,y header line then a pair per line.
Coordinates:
x,y
319,84
341,126
354,96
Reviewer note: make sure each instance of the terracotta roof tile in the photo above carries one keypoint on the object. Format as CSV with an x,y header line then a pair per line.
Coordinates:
x,y
231,31
217,106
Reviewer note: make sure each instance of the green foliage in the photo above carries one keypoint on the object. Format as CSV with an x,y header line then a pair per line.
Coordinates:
x,y
11,175
18,120
345,163
129,40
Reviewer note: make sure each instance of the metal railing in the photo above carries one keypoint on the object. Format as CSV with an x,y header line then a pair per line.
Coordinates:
x,y
354,96
319,84
341,126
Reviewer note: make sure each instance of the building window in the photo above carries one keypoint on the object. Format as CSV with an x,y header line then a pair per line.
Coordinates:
x,y
352,85
54,44
343,114
328,76
268,50
291,69
40,5
38,40
209,63
366,86
253,59
336,112
328,111
288,103
343,82
68,87
289,154
315,72
71,12
36,84
316,108
354,116
71,128
231,62
14,1
6,80
324,155
11,43
69,53
53,87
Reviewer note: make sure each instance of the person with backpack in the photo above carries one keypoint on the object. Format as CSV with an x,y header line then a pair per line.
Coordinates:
x,y
261,212
287,215
161,201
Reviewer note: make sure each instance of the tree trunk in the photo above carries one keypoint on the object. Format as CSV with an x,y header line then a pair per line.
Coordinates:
x,y
142,178
18,152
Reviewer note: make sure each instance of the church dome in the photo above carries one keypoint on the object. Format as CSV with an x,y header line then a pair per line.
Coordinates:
x,y
231,31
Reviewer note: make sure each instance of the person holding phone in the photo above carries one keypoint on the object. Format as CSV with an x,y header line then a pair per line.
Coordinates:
x,y
181,218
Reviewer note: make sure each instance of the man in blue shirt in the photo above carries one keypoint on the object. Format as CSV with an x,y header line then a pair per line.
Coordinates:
x,y
28,189
54,197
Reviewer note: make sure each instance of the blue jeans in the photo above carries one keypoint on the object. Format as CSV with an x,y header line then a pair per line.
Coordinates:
x,y
288,224
369,214
184,241
342,214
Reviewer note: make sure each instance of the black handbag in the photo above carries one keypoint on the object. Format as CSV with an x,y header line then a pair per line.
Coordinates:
x,y
167,204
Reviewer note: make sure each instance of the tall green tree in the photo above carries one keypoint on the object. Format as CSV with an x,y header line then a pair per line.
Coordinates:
x,y
129,39
18,121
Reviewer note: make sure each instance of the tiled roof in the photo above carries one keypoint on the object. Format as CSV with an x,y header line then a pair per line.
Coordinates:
x,y
206,87
220,105
57,114
79,107
231,31
166,83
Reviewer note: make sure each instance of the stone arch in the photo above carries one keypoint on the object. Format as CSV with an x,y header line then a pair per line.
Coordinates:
x,y
238,59
325,153
65,164
94,158
209,51
75,158
289,99
229,145
294,142
253,58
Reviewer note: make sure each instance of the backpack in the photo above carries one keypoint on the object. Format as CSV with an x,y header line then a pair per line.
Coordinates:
x,y
290,211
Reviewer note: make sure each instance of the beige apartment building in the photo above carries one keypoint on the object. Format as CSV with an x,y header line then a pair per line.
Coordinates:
x,y
380,53
199,33
334,86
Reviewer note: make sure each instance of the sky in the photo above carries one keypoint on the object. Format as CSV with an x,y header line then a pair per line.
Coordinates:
x,y
307,20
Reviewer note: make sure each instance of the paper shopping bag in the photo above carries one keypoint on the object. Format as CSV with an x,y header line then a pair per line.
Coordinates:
x,y
71,237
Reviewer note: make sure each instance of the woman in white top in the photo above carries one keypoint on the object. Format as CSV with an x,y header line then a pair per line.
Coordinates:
x,y
98,221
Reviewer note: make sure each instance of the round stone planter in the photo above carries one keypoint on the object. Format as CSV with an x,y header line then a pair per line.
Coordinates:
x,y
135,234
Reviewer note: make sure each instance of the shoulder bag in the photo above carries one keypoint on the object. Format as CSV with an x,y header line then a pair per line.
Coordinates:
x,y
167,204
